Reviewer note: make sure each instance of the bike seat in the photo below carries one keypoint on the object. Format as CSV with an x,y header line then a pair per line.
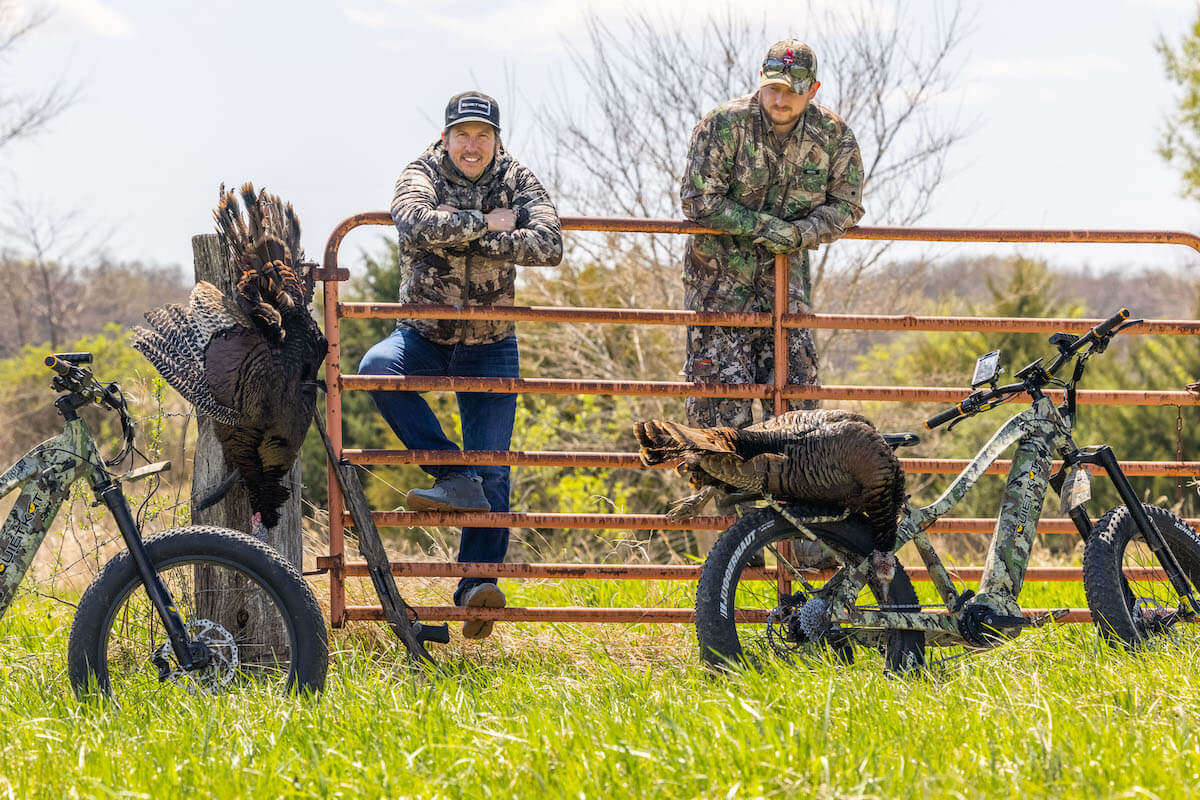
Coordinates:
x,y
895,440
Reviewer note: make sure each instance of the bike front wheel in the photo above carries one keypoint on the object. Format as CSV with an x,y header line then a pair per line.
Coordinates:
x,y
742,619
1131,600
254,612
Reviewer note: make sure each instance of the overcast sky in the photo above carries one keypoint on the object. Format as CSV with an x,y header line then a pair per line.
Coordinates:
x,y
324,102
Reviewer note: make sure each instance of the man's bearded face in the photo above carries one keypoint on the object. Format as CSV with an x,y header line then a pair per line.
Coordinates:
x,y
782,105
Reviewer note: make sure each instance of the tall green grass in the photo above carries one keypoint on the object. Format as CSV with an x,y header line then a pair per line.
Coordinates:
x,y
599,711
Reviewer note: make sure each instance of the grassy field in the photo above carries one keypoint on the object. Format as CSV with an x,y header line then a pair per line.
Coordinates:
x,y
597,711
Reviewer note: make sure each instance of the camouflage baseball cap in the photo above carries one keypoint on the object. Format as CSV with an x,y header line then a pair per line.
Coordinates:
x,y
468,106
790,63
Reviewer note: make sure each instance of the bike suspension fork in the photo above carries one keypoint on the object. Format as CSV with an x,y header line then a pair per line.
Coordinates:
x,y
112,495
1104,456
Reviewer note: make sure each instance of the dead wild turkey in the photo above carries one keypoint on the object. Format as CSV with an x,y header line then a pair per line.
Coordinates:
x,y
829,456
248,360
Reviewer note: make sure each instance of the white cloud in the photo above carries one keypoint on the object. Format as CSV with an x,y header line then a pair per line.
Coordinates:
x,y
96,17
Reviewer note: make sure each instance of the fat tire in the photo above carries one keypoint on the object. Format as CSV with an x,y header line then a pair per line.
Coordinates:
x,y
1108,595
718,636
86,664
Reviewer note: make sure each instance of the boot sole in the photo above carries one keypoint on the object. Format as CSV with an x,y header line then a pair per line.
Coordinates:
x,y
418,503
482,628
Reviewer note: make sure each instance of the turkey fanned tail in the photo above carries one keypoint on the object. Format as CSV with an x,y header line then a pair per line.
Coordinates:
x,y
176,341
826,456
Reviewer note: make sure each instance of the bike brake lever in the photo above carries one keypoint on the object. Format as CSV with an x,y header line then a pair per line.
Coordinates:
x,y
957,420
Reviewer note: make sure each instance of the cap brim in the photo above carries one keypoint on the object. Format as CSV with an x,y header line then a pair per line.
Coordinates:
x,y
778,80
472,118
799,87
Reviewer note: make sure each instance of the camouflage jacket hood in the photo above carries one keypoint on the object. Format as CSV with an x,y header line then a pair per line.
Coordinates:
x,y
451,258
739,179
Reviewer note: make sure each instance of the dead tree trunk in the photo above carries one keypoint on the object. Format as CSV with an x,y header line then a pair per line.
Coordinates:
x,y
233,511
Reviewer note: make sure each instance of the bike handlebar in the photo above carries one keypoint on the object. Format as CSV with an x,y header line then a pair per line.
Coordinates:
x,y
75,378
944,417
63,368
981,401
1109,325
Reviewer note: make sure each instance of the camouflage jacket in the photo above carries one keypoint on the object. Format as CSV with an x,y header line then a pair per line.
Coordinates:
x,y
791,198
451,258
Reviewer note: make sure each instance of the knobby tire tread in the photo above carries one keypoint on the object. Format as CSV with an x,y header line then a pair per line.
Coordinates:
x,y
91,627
718,637
1102,575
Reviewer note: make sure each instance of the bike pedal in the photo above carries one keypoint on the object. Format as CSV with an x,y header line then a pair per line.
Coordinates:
x,y
438,634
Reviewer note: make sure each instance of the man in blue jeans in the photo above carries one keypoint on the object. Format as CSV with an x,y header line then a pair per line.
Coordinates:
x,y
467,214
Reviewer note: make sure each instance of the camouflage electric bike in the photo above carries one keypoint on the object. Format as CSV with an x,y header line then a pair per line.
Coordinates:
x,y
1141,563
200,607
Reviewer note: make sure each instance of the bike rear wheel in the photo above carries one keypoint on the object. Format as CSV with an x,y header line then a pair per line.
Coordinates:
x,y
1131,601
255,612
734,621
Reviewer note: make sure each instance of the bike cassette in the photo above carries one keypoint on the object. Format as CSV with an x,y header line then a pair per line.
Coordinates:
x,y
796,622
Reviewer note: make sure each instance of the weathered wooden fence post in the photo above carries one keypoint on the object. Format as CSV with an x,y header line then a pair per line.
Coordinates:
x,y
233,511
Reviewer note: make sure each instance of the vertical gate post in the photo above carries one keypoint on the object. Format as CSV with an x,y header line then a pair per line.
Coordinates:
x,y
333,424
778,309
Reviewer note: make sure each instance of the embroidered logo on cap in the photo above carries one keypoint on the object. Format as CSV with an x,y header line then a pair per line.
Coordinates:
x,y
474,105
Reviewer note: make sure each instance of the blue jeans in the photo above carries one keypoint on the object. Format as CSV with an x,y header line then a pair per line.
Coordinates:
x,y
487,420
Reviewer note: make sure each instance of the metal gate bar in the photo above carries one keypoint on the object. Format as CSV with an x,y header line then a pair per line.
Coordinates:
x,y
564,458
330,274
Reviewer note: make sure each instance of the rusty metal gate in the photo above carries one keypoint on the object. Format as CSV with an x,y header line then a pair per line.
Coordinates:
x,y
340,568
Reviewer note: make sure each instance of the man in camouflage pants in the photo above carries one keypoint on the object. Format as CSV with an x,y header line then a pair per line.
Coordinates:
x,y
467,214
778,174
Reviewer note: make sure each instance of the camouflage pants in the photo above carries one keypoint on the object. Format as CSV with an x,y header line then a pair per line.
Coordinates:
x,y
743,355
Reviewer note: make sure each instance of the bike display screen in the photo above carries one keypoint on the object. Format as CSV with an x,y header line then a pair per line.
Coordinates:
x,y
987,367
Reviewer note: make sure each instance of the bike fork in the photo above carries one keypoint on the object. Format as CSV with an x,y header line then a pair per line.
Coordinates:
x,y
113,497
1103,455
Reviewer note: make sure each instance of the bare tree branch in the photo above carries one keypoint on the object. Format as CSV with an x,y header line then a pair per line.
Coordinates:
x,y
25,114
619,144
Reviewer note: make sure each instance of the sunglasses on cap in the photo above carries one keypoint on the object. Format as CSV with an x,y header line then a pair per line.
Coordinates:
x,y
800,76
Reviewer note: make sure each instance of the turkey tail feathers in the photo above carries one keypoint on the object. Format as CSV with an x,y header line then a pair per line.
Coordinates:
x,y
265,258
175,343
663,441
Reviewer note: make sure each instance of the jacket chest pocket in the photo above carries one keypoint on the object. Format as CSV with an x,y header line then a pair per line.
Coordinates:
x,y
749,183
809,183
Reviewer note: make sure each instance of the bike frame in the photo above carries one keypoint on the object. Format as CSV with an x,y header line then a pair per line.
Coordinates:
x,y
45,475
1038,431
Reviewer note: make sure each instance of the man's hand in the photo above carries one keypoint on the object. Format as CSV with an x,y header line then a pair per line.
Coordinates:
x,y
780,237
446,207
502,220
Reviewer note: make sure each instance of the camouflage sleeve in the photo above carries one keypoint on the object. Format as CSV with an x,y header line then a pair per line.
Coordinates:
x,y
420,224
705,186
537,240
842,208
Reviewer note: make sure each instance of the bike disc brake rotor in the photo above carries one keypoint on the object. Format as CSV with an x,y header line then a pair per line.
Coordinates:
x,y
214,676
1152,618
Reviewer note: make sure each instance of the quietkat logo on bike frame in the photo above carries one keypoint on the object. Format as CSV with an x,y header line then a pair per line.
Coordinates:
x,y
45,476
